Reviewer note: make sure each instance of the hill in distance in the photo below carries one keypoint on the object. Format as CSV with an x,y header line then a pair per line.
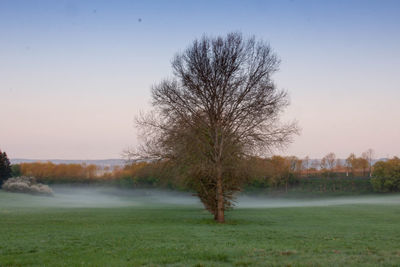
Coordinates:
x,y
99,162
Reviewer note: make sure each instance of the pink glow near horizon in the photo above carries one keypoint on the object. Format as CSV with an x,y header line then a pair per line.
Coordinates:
x,y
71,84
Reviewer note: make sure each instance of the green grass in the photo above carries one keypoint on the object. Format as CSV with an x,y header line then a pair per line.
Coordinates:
x,y
177,235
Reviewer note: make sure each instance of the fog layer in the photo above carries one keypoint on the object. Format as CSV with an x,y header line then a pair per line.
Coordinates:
x,y
103,197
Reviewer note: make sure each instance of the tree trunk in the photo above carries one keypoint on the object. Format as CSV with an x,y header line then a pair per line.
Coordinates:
x,y
220,198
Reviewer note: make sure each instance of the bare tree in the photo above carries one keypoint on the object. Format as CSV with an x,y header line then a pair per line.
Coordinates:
x,y
220,107
327,166
329,162
369,156
351,164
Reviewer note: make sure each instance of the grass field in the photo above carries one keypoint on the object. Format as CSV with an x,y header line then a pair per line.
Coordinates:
x,y
39,231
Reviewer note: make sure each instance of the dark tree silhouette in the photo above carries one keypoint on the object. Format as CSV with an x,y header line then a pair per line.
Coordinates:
x,y
5,167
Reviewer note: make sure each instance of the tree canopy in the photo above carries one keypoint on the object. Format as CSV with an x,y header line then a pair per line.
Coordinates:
x,y
386,175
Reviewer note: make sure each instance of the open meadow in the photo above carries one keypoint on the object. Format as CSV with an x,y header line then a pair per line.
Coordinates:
x,y
199,133
109,227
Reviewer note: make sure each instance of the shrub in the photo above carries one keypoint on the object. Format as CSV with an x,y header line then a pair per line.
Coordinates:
x,y
24,184
16,170
386,176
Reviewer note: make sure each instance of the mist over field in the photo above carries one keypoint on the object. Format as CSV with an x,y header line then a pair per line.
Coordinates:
x,y
271,202
109,197
101,197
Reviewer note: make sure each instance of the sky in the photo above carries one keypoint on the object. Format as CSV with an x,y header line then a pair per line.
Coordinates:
x,y
74,74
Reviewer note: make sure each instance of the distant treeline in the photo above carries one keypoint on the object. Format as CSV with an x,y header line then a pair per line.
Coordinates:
x,y
274,173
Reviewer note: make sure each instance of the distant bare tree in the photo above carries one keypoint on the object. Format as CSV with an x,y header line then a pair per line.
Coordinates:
x,y
351,164
369,157
221,107
306,164
327,166
328,162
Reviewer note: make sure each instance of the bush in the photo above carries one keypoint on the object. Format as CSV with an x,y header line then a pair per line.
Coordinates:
x,y
16,170
24,184
386,176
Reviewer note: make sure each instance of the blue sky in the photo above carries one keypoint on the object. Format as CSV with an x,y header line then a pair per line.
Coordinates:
x,y
73,74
